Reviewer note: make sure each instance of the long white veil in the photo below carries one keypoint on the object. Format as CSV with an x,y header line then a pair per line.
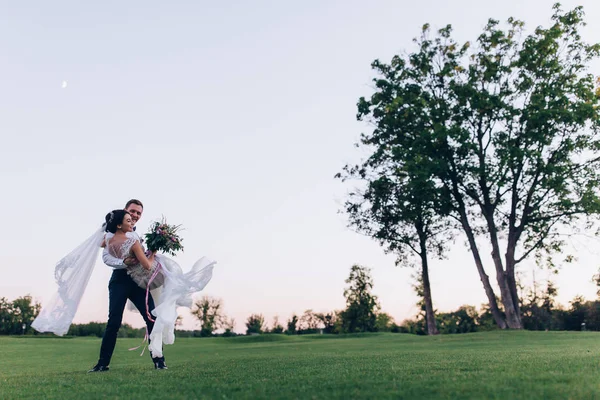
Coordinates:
x,y
72,274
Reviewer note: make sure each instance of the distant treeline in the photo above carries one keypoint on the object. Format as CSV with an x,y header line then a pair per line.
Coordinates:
x,y
362,314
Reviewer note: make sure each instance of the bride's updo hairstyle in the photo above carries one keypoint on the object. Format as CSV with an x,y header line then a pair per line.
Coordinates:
x,y
113,219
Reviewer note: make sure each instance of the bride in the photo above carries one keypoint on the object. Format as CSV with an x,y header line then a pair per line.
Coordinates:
x,y
158,271
150,272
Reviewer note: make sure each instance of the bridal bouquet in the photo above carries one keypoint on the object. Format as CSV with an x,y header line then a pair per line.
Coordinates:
x,y
163,237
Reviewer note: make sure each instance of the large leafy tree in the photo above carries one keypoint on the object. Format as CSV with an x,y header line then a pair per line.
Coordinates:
x,y
402,209
507,128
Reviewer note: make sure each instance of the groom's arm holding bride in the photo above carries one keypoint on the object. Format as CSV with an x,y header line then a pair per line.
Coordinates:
x,y
117,263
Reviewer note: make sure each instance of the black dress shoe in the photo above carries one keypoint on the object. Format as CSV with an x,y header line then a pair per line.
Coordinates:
x,y
159,363
99,368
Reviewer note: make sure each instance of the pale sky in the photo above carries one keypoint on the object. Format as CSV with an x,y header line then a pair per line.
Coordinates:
x,y
230,119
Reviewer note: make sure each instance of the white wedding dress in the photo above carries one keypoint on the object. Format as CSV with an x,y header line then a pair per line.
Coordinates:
x,y
170,288
72,274
122,249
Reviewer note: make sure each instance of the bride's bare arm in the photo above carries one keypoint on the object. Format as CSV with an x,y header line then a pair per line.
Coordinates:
x,y
139,254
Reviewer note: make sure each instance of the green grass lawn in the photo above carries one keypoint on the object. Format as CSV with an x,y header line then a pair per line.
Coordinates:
x,y
494,365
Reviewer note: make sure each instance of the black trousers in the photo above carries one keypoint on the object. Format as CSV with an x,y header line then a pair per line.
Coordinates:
x,y
120,288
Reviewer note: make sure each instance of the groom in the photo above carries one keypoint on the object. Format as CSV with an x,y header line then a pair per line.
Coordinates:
x,y
120,288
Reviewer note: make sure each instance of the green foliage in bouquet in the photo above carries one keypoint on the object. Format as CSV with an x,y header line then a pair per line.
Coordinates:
x,y
163,238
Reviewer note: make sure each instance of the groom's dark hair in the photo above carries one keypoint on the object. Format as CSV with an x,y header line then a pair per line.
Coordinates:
x,y
134,201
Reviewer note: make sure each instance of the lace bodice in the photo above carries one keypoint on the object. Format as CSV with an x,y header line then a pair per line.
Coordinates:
x,y
121,249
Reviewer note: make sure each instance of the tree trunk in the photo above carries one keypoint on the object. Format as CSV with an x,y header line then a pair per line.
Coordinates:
x,y
511,308
510,278
489,291
429,313
488,207
513,316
